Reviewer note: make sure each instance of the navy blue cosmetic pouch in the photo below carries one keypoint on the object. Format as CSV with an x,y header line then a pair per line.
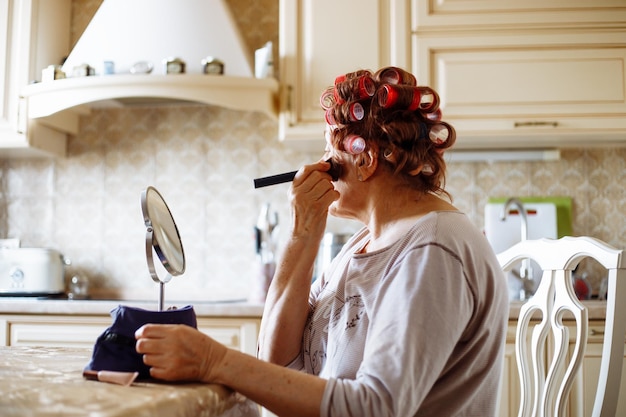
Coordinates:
x,y
115,348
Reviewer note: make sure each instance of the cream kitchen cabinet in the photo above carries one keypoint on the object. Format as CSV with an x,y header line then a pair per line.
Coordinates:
x,y
82,331
454,15
509,385
320,39
35,34
583,390
519,74
51,330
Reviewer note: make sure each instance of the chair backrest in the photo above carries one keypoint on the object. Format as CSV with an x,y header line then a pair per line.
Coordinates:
x,y
544,394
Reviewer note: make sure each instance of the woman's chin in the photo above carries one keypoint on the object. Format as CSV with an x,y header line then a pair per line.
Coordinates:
x,y
335,210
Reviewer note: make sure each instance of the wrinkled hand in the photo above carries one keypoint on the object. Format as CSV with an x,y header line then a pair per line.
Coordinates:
x,y
312,192
179,352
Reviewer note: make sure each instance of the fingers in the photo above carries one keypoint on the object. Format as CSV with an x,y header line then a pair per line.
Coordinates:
x,y
151,330
311,194
313,183
153,338
146,336
313,173
178,352
160,348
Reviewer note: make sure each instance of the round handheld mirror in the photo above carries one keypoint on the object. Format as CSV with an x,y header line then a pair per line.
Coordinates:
x,y
162,238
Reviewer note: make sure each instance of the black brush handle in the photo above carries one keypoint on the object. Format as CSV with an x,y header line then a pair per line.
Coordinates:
x,y
274,179
334,171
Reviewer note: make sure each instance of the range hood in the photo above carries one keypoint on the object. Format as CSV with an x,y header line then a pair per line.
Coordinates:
x,y
129,31
126,32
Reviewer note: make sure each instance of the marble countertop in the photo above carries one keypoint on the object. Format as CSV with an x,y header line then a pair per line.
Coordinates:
x,y
48,381
28,305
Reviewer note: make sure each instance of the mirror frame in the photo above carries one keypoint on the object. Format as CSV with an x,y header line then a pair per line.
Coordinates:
x,y
162,238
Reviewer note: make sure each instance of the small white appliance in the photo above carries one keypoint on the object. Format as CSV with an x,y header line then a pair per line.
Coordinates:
x,y
31,272
502,234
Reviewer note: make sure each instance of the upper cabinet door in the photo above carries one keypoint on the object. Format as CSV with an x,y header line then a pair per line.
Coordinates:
x,y
525,73
34,34
321,39
458,15
529,90
11,65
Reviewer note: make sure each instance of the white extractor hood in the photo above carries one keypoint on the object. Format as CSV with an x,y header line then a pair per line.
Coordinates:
x,y
129,31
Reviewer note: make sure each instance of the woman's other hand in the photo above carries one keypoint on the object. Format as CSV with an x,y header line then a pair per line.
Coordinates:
x,y
179,352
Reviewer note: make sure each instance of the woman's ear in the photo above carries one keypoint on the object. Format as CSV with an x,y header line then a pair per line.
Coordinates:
x,y
366,164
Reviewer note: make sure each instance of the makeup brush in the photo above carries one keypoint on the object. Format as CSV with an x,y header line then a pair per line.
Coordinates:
x,y
334,171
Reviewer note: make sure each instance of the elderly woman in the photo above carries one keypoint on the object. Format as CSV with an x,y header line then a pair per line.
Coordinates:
x,y
409,319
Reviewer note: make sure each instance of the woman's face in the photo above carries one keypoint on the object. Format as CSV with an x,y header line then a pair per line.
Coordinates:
x,y
348,185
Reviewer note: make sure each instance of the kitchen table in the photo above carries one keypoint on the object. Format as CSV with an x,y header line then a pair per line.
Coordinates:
x,y
48,381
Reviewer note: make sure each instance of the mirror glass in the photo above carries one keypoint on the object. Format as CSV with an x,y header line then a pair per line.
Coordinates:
x,y
162,238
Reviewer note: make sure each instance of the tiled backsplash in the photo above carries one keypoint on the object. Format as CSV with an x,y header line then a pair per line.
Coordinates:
x,y
203,160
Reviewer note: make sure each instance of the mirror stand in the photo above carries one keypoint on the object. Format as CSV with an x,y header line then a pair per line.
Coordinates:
x,y
162,238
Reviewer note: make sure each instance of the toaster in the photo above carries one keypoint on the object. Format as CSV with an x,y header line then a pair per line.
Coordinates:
x,y
31,272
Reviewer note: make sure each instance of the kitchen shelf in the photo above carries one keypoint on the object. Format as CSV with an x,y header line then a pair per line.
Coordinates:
x,y
60,103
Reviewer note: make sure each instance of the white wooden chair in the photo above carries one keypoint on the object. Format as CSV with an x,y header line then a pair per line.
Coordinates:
x,y
545,394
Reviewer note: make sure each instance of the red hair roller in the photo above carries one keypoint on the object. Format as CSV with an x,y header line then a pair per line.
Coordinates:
x,y
367,88
394,76
338,99
340,79
389,95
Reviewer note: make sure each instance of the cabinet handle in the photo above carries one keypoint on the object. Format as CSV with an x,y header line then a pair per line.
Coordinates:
x,y
536,123
595,332
22,116
290,105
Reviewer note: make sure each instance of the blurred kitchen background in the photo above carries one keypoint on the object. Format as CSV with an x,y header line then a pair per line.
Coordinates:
x,y
203,159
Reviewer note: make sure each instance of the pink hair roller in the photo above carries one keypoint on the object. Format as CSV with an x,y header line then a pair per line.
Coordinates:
x,y
327,99
434,116
430,100
330,120
356,112
439,134
354,144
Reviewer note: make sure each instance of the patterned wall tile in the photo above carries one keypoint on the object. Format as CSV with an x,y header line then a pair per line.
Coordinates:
x,y
203,160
